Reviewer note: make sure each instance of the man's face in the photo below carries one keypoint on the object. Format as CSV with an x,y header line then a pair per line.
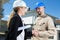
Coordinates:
x,y
40,10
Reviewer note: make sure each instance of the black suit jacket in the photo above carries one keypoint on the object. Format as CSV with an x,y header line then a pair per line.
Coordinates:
x,y
13,27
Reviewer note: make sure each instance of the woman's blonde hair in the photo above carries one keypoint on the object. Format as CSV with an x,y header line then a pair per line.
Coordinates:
x,y
12,14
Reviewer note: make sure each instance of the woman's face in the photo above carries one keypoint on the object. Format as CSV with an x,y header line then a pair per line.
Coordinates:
x,y
23,10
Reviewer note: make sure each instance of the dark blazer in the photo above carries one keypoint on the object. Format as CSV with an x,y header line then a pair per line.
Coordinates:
x,y
13,27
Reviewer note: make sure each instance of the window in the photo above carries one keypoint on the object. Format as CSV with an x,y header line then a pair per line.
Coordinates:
x,y
58,26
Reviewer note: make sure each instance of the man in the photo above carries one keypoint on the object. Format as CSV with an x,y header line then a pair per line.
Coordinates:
x,y
44,25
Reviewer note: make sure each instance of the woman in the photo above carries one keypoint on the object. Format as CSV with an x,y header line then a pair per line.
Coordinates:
x,y
15,21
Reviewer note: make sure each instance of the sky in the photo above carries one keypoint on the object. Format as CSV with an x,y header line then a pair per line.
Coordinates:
x,y
52,7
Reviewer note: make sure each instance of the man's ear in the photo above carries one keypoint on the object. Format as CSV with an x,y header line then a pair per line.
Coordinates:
x,y
28,9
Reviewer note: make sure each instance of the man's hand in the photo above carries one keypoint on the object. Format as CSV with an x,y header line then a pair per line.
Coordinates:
x,y
35,33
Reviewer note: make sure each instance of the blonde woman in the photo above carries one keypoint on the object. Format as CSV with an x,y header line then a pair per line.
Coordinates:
x,y
15,21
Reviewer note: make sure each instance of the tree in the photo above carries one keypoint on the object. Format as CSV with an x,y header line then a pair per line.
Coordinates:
x,y
1,11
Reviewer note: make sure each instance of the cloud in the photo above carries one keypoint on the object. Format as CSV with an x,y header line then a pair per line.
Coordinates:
x,y
5,17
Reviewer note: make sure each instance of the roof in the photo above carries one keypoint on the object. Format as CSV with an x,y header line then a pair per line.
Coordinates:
x,y
57,22
34,13
4,21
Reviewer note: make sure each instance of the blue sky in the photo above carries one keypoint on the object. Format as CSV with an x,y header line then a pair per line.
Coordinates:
x,y
52,7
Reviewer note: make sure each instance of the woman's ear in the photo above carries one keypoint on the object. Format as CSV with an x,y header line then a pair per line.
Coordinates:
x,y
16,9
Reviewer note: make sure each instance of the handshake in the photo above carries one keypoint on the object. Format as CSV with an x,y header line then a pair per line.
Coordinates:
x,y
35,33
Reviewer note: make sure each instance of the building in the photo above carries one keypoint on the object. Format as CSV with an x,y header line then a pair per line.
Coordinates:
x,y
57,37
